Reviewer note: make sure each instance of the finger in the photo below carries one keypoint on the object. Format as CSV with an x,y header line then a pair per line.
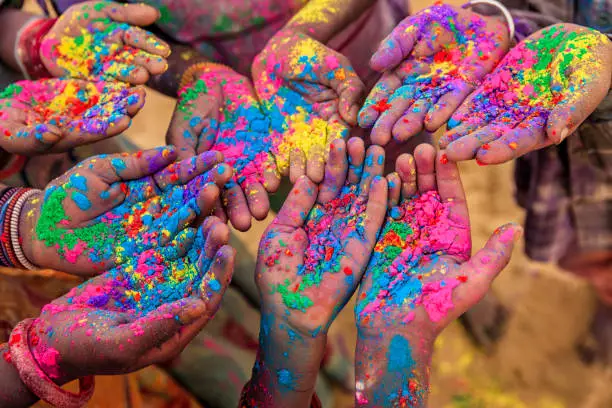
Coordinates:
x,y
298,204
356,156
143,40
400,102
376,102
347,85
154,65
258,201
136,100
395,47
179,245
18,138
406,169
123,167
297,166
374,166
219,175
376,208
452,193
176,222
207,199
496,253
467,146
126,71
315,166
217,236
134,14
460,131
411,122
218,278
516,142
185,170
395,188
424,157
272,177
335,172
442,110
237,207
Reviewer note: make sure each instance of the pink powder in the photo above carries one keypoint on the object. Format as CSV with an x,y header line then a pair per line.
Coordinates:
x,y
437,298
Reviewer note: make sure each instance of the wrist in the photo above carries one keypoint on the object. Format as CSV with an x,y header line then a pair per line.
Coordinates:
x,y
28,45
195,71
12,202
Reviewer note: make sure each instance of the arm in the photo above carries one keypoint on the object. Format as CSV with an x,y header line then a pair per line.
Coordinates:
x,y
11,21
322,19
13,392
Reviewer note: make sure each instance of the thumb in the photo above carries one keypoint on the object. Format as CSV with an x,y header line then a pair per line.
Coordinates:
x,y
30,140
496,253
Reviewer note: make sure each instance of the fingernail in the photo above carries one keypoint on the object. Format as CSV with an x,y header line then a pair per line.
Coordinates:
x,y
564,134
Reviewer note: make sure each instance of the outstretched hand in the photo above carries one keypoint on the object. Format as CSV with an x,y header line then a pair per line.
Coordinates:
x,y
313,255
140,313
55,115
311,94
108,208
101,40
430,63
539,94
219,111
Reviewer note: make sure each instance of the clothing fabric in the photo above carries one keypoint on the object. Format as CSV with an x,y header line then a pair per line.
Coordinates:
x,y
567,189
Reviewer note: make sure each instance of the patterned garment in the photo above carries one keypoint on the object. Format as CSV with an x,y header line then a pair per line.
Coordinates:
x,y
567,189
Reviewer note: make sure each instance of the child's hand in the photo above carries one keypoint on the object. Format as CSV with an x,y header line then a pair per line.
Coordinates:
x,y
540,93
108,208
55,115
220,112
311,94
140,313
312,256
431,62
420,278
100,40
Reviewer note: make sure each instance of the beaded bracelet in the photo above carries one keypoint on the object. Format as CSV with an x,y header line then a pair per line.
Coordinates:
x,y
6,231
37,381
7,194
27,47
15,238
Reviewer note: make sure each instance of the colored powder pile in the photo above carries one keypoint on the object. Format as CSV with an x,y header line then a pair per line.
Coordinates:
x,y
536,76
315,12
243,131
71,105
451,68
403,265
150,273
328,229
401,365
294,121
90,55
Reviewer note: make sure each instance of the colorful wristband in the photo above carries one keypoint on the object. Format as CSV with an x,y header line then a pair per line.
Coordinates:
x,y
15,237
37,381
190,74
27,47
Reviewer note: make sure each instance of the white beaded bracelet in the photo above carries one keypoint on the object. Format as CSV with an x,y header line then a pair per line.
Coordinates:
x,y
15,229
498,6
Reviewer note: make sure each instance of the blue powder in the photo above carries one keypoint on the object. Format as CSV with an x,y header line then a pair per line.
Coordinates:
x,y
118,164
399,356
79,182
105,195
214,285
81,200
285,377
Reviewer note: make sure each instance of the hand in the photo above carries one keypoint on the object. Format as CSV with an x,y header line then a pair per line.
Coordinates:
x,y
108,208
430,63
140,313
220,112
98,40
540,93
419,279
55,115
311,94
312,256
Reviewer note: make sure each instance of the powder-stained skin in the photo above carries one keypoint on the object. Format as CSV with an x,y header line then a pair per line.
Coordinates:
x,y
538,95
419,279
57,114
100,40
431,62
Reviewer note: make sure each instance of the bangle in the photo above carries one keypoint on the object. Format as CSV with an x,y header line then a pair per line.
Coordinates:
x,y
15,238
37,381
190,73
498,6
27,47
5,234
7,194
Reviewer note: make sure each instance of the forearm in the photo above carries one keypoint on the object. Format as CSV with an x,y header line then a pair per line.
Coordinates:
x,y
322,19
13,393
286,369
392,370
11,21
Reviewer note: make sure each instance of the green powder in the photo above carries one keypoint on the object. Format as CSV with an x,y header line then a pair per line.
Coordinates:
x,y
293,300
